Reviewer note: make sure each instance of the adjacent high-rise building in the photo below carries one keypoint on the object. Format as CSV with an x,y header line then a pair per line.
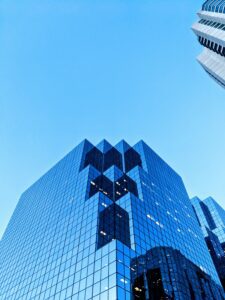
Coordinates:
x,y
107,223
211,217
210,30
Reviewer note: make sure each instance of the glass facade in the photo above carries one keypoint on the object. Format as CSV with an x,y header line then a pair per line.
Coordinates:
x,y
211,217
107,223
210,30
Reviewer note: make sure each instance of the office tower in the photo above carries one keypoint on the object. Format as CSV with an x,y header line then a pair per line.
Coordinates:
x,y
107,223
211,217
210,30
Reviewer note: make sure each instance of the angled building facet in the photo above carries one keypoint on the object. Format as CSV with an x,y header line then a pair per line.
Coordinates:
x,y
211,217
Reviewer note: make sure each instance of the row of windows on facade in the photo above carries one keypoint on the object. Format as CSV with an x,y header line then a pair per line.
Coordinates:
x,y
214,6
212,46
103,161
212,24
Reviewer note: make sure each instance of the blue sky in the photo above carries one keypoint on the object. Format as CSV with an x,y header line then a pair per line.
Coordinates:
x,y
112,69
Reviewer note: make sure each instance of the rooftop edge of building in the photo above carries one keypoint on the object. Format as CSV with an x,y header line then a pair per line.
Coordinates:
x,y
122,146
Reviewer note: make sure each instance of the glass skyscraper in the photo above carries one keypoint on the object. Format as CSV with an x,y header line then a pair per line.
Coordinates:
x,y
107,223
211,217
210,30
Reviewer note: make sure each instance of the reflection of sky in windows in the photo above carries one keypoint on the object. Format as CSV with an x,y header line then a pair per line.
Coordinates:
x,y
78,235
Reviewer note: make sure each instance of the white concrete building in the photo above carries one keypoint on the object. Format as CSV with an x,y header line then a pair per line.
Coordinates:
x,y
210,30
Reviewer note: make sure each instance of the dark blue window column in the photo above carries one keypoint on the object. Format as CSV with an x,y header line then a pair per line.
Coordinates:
x,y
112,158
95,158
132,159
113,224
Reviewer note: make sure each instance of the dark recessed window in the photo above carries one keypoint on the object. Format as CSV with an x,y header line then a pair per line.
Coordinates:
x,y
132,159
101,184
112,157
95,158
113,224
123,186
